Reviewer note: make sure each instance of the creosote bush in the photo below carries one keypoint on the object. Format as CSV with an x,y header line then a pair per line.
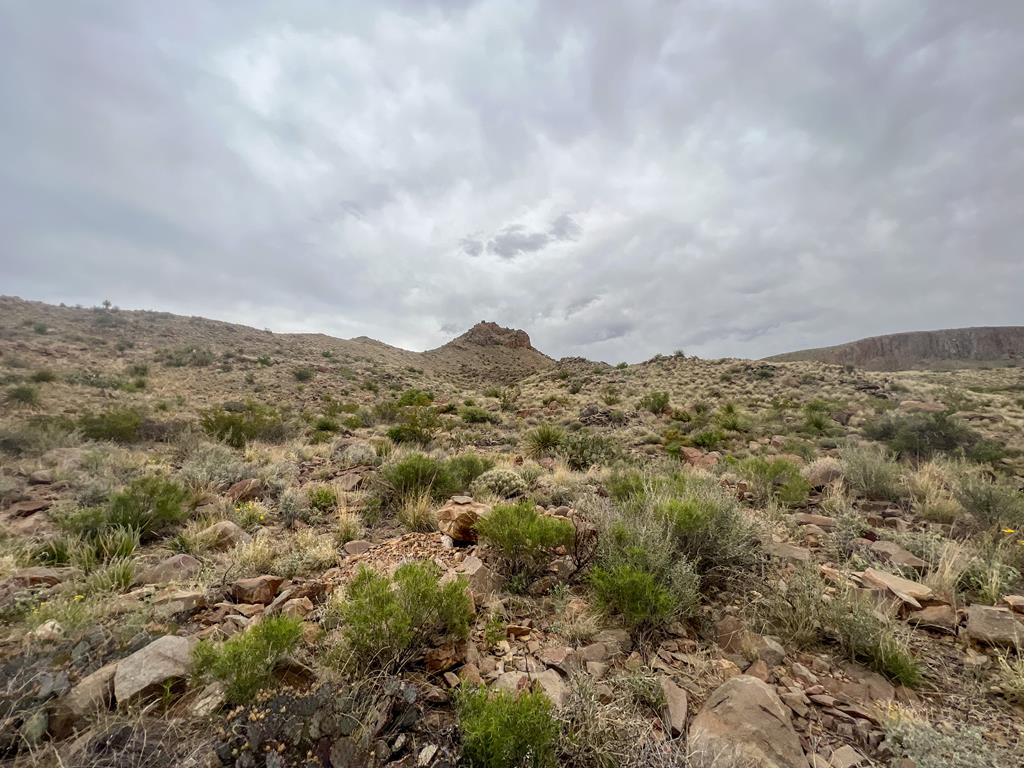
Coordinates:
x,y
387,622
149,505
777,479
633,594
121,425
244,423
414,474
506,730
523,540
922,435
245,663
655,402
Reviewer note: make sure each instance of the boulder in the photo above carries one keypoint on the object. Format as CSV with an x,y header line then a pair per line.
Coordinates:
x,y
806,518
171,601
935,617
258,589
910,592
552,685
223,535
177,568
676,705
785,551
893,553
458,517
745,719
92,693
357,547
166,659
482,580
994,626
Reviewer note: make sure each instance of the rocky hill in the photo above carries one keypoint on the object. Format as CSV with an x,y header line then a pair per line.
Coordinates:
x,y
923,350
489,354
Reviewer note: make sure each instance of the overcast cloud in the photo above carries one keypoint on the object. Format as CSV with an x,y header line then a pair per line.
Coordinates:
x,y
619,179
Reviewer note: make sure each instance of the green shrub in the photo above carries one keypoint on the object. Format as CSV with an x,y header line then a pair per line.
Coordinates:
x,y
44,376
505,730
245,663
467,467
871,472
655,402
238,426
708,438
633,594
303,374
415,397
582,450
501,482
922,435
322,497
993,505
729,418
414,475
416,425
626,484
148,505
523,539
544,441
774,479
866,636
474,414
121,425
386,623
196,357
23,394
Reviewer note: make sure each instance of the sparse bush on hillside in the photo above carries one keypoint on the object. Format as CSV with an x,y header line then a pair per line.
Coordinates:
x,y
922,435
474,414
655,402
993,505
149,505
507,730
197,357
302,374
777,479
871,472
245,663
635,595
467,467
44,376
243,424
415,474
708,438
322,497
415,397
867,635
387,622
416,425
523,540
121,425
582,450
23,394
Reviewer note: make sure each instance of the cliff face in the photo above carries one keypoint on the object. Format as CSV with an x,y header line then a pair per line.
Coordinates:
x,y
952,348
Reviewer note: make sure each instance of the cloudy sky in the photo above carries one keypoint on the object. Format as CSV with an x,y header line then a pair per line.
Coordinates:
x,y
726,177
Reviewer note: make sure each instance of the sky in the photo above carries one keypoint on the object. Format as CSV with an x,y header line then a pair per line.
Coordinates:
x,y
722,177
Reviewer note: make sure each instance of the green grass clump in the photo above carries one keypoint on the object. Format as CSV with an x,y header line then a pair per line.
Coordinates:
x,y
44,376
870,471
121,425
23,394
322,497
303,374
544,441
386,622
245,662
467,467
474,414
505,730
708,438
240,425
523,539
867,636
777,479
655,402
633,594
993,505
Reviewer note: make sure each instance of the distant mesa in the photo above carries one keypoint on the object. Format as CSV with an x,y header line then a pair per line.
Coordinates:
x,y
924,350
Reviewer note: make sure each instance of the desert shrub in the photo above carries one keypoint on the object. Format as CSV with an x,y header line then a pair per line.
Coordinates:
x,y
932,488
655,402
467,467
415,397
322,497
212,466
993,505
868,636
908,736
505,730
633,594
416,425
708,438
523,540
544,441
23,394
413,475
349,527
729,418
626,484
197,357
303,374
922,435
44,376
293,506
501,482
245,663
357,455
474,414
387,622
791,607
149,505
582,450
871,472
777,479
239,425
121,425
416,512
509,398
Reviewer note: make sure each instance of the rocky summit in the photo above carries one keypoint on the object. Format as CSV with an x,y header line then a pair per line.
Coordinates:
x,y
228,547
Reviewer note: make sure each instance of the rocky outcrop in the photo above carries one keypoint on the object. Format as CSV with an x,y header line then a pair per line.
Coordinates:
x,y
953,348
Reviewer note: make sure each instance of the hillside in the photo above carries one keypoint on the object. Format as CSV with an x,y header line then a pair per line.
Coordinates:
x,y
924,350
221,546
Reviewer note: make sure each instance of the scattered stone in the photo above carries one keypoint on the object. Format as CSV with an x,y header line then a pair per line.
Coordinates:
x,y
91,694
821,521
168,658
245,490
41,477
172,601
177,568
297,608
786,551
893,553
910,592
258,589
745,719
553,686
935,617
846,757
48,632
224,535
38,576
482,580
458,518
357,547
209,700
676,705
994,626
1015,602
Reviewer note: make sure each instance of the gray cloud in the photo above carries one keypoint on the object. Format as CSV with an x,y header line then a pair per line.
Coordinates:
x,y
732,179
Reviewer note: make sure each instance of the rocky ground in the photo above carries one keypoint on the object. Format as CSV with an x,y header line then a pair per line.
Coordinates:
x,y
222,546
